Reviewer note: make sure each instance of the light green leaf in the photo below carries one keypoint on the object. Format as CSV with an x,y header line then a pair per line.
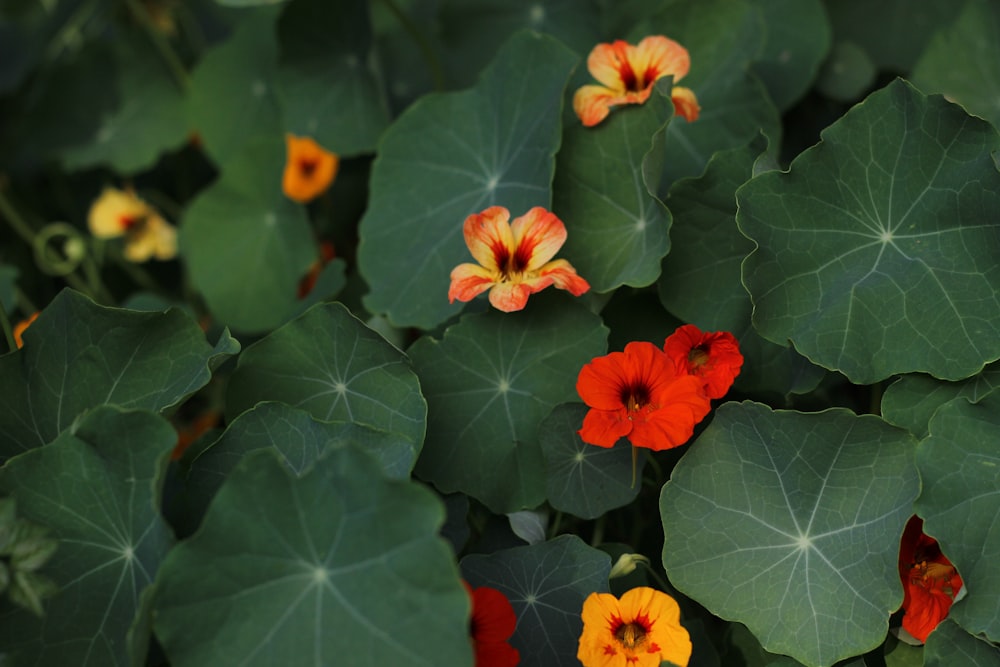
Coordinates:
x,y
877,249
911,400
546,585
950,645
790,523
96,488
453,154
489,383
338,566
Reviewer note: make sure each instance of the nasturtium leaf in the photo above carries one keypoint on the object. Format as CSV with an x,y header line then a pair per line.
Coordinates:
x,y
796,40
96,488
949,645
232,94
962,61
847,74
790,523
453,154
246,245
911,400
489,383
329,364
338,566
604,191
877,249
546,584
328,86
960,470
581,479
78,355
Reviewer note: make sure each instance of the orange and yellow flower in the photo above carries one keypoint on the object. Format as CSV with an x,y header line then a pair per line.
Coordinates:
x,y
122,213
513,258
627,74
930,581
714,357
20,328
641,630
639,394
309,169
492,623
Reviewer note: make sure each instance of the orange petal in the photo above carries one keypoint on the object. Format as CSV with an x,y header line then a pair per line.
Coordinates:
x,y
658,56
538,235
605,427
489,237
606,62
469,281
309,169
509,297
592,104
564,276
20,328
685,103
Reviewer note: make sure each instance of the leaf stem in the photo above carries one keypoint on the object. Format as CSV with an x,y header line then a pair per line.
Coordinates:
x,y
8,332
433,64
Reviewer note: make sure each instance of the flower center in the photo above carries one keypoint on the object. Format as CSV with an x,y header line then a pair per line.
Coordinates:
x,y
698,356
308,166
635,398
127,222
631,636
932,575
511,265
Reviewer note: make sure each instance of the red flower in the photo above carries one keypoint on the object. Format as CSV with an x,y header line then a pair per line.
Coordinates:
x,y
641,395
930,582
714,357
492,623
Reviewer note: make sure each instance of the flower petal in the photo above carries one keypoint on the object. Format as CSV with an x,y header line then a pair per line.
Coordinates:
x,y
604,428
469,281
666,632
606,62
685,103
493,618
489,238
564,276
510,297
309,169
602,381
657,56
113,211
538,235
592,104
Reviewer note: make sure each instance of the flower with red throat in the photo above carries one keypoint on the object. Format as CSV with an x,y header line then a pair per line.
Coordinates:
x,y
493,622
513,258
627,74
122,213
639,394
930,582
714,357
309,169
641,630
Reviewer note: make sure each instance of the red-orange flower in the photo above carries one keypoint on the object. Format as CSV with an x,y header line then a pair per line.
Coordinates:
x,y
641,630
714,357
513,258
639,394
493,622
628,73
309,169
930,582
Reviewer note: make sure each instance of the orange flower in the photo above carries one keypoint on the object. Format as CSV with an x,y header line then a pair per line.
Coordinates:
x,y
714,357
20,327
930,582
641,395
513,258
309,169
628,73
122,213
493,622
641,630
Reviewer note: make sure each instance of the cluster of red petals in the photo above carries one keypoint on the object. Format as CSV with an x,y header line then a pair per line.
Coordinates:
x,y
655,397
930,581
493,622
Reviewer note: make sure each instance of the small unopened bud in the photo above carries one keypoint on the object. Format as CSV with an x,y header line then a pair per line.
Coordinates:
x,y
626,564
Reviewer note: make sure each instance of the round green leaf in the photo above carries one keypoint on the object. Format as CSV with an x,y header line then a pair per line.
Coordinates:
x,y
95,487
877,250
338,566
329,364
911,400
489,383
453,154
790,523
847,73
546,584
247,246
604,190
949,645
582,479
960,469
78,355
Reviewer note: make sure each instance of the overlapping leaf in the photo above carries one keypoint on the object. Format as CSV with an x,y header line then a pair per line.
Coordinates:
x,y
960,469
489,383
790,524
911,400
950,645
877,250
329,364
546,584
453,154
96,488
78,355
338,566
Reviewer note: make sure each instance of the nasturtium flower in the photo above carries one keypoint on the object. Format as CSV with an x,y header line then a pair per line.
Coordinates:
x,y
639,394
513,258
122,213
493,622
20,327
714,357
309,169
930,581
641,630
627,74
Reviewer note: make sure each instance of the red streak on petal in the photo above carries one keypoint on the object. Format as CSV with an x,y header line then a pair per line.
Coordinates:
x,y
625,70
128,221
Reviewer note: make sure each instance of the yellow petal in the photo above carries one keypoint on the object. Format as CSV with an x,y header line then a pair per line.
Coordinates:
x,y
685,103
538,235
489,238
114,211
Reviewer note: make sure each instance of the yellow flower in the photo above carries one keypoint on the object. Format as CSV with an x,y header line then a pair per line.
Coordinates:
x,y
309,169
122,213
640,630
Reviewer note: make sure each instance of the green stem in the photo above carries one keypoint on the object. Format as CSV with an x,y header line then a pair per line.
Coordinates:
x,y
167,53
15,221
433,64
8,332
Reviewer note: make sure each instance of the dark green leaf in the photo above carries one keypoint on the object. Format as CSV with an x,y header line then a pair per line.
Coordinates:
x,y
950,645
911,400
847,73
